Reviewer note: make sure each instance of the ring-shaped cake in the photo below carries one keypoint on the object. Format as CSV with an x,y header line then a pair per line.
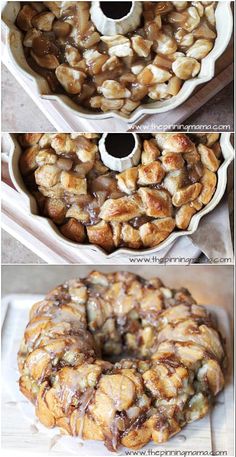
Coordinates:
x,y
172,365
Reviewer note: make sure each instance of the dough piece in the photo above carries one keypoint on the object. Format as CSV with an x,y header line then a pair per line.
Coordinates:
x,y
184,216
154,232
73,184
152,173
101,235
73,230
157,203
187,194
208,181
122,209
127,180
208,157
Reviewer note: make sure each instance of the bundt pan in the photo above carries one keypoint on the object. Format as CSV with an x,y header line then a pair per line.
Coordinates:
x,y
227,157
224,24
121,359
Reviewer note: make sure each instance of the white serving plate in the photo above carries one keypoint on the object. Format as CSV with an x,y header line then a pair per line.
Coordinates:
x,y
224,26
227,153
214,432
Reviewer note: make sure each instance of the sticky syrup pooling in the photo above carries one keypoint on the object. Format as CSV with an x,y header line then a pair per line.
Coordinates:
x,y
138,208
105,73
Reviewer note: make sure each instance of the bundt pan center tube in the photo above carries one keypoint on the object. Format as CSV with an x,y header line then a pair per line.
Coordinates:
x,y
112,18
170,366
55,206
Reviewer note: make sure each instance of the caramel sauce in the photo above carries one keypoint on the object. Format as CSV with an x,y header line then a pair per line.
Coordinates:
x,y
55,42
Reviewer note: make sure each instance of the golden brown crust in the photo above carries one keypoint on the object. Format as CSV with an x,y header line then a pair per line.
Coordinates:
x,y
208,158
55,209
101,234
157,203
175,369
69,181
28,160
184,215
177,142
127,180
73,230
122,209
172,161
208,182
29,139
186,195
154,232
151,173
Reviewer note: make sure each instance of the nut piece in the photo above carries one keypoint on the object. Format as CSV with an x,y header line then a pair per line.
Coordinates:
x,y
113,90
70,78
141,47
186,67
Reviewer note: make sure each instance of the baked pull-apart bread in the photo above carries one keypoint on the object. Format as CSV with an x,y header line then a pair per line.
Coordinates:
x,y
171,371
137,208
117,72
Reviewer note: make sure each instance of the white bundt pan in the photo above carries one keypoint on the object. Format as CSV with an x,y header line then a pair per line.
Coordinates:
x,y
228,155
224,26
